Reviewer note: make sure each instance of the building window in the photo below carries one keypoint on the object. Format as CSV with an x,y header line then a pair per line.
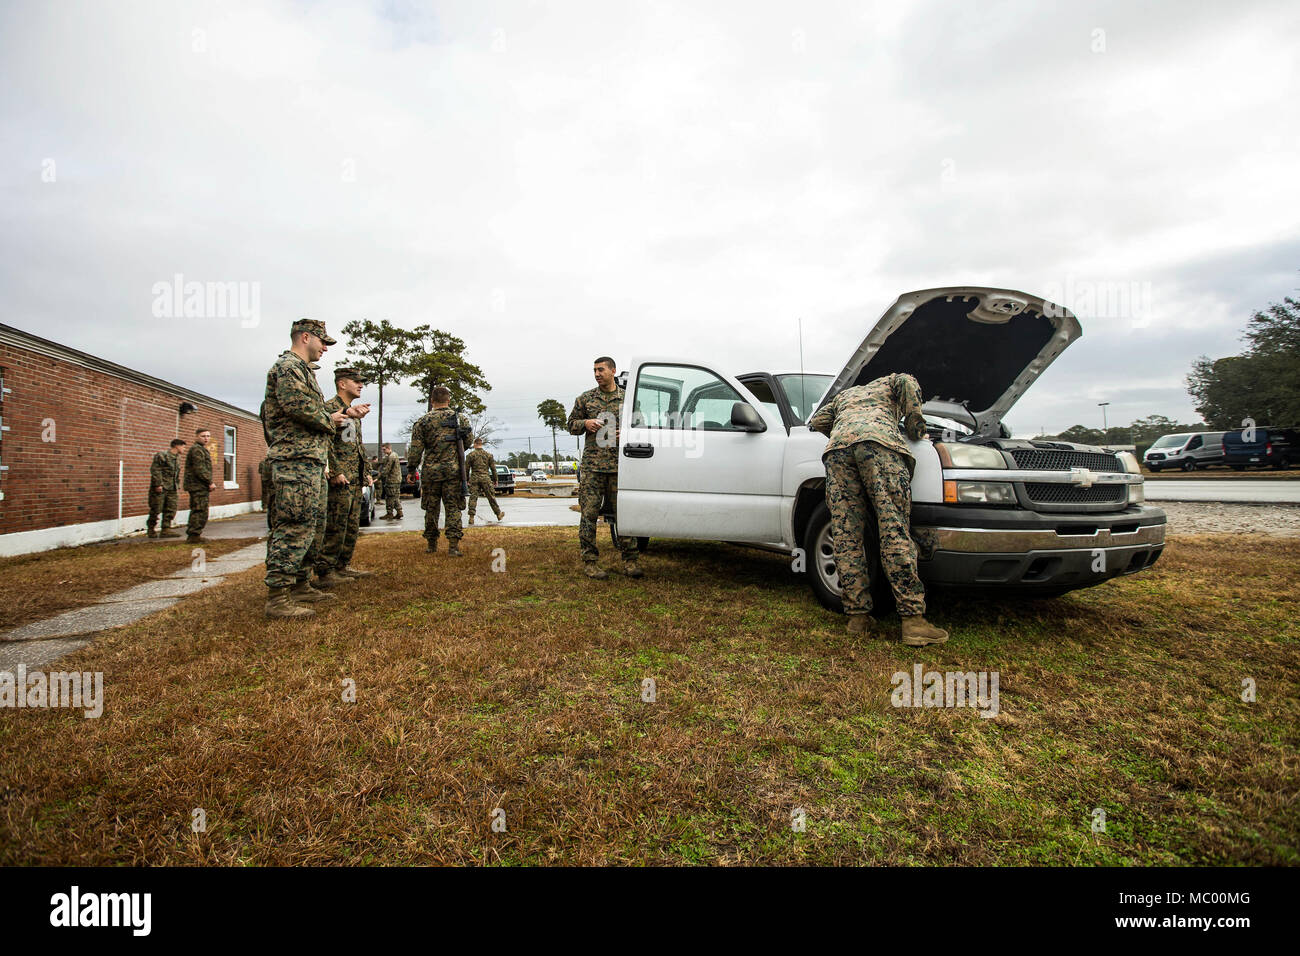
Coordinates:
x,y
228,460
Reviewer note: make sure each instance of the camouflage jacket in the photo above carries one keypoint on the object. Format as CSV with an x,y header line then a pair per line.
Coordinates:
x,y
198,468
390,470
432,449
347,452
872,412
481,465
293,413
165,471
600,451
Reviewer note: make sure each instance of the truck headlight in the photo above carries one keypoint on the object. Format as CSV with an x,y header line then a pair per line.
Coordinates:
x,y
1136,494
978,493
1130,462
957,455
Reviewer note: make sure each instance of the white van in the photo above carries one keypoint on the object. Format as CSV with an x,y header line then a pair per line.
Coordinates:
x,y
1188,451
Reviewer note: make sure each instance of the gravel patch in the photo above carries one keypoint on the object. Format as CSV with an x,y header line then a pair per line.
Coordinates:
x,y
1214,517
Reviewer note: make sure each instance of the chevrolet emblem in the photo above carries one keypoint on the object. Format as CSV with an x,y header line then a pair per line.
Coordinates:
x,y
1082,477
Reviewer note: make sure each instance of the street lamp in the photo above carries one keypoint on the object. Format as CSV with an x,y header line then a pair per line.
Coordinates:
x,y
1104,428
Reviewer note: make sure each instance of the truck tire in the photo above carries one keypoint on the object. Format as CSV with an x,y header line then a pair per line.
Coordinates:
x,y
1189,465
820,568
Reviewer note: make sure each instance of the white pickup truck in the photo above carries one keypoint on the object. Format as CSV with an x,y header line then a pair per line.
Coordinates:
x,y
711,455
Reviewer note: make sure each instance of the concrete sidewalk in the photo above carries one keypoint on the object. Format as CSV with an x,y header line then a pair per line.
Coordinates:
x,y
40,642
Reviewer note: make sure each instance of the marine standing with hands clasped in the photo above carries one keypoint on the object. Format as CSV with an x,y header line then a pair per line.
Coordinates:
x,y
390,479
432,451
164,480
349,474
482,469
869,468
199,485
299,432
596,414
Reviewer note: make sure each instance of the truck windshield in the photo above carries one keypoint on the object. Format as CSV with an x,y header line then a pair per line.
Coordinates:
x,y
803,390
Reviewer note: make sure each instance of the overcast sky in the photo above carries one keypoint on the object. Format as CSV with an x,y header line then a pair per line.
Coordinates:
x,y
555,180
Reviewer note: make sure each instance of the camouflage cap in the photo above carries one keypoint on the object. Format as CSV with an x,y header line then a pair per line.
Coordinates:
x,y
349,371
315,326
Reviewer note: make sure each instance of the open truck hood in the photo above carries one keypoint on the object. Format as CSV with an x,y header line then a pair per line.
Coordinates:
x,y
972,349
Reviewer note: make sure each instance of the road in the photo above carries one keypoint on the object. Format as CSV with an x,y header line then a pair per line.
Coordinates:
x,y
520,513
1244,491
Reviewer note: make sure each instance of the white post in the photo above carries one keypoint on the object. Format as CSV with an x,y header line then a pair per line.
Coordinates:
x,y
119,498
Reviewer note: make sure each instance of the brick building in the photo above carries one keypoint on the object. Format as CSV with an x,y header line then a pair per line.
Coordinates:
x,y
77,437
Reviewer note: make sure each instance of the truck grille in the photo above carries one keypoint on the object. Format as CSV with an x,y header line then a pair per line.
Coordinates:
x,y
1038,459
1054,493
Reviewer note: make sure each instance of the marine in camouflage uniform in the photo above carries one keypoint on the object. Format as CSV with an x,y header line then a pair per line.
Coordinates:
x,y
349,470
164,481
869,466
390,480
432,451
482,469
298,434
198,485
598,469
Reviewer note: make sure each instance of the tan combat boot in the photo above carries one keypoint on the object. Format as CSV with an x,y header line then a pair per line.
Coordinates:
x,y
167,533
593,570
453,549
279,604
501,516
631,569
153,533
918,632
304,593
353,573
330,580
860,624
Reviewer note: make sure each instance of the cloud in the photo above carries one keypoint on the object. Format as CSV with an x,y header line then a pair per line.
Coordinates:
x,y
552,182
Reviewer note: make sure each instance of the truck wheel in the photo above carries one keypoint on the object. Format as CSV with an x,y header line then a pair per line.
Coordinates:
x,y
1189,465
819,552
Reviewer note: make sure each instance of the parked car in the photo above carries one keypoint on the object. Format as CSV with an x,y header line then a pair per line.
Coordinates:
x,y
410,480
1272,448
505,481
709,455
539,476
1187,451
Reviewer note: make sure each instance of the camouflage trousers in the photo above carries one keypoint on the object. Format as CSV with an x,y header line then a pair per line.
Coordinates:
x,y
342,524
198,513
482,486
594,489
444,492
298,526
164,503
392,498
867,477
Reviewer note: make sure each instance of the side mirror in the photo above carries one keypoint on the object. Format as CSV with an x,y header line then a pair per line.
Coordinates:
x,y
746,419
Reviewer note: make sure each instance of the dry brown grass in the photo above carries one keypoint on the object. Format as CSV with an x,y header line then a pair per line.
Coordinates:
x,y
522,691
37,586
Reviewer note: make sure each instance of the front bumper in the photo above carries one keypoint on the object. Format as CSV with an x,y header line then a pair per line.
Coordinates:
x,y
1014,549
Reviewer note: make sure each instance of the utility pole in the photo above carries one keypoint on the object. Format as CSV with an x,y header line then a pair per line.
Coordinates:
x,y
1104,428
